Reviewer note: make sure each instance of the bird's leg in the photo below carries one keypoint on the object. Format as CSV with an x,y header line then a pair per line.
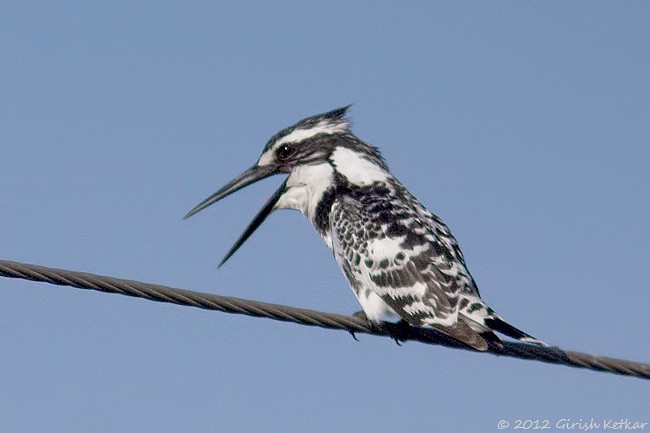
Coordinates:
x,y
400,331
360,315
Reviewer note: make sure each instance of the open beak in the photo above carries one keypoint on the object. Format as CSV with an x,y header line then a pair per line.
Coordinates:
x,y
257,221
250,176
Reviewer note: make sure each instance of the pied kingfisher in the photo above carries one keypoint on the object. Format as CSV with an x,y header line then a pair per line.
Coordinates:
x,y
400,259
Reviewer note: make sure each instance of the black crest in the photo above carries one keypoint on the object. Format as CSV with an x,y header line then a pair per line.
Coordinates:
x,y
337,115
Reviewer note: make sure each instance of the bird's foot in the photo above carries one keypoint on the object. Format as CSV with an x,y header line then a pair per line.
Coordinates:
x,y
400,331
360,315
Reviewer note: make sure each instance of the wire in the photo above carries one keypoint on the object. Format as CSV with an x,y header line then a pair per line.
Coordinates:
x,y
352,324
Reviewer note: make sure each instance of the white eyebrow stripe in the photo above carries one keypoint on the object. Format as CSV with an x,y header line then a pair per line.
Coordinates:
x,y
321,128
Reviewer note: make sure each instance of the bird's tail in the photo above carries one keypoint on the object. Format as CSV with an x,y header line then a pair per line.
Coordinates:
x,y
462,332
496,323
484,320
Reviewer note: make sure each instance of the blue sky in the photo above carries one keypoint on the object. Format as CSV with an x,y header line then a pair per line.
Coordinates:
x,y
524,125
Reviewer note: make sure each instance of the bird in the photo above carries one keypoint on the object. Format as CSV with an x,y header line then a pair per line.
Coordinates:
x,y
401,260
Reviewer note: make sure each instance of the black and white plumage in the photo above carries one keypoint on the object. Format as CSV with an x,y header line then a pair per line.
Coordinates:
x,y
400,259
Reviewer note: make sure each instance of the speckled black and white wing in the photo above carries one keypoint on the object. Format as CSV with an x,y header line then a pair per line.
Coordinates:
x,y
402,261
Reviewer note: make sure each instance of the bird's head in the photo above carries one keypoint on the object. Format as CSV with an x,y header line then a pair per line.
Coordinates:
x,y
314,141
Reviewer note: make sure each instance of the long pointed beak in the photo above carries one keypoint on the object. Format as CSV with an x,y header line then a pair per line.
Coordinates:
x,y
257,221
248,177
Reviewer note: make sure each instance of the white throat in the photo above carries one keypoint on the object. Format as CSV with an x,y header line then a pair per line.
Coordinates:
x,y
305,188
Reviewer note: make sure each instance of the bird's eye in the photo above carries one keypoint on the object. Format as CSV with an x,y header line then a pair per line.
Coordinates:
x,y
284,152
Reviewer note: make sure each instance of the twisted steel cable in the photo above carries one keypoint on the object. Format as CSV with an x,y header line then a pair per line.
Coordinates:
x,y
352,324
